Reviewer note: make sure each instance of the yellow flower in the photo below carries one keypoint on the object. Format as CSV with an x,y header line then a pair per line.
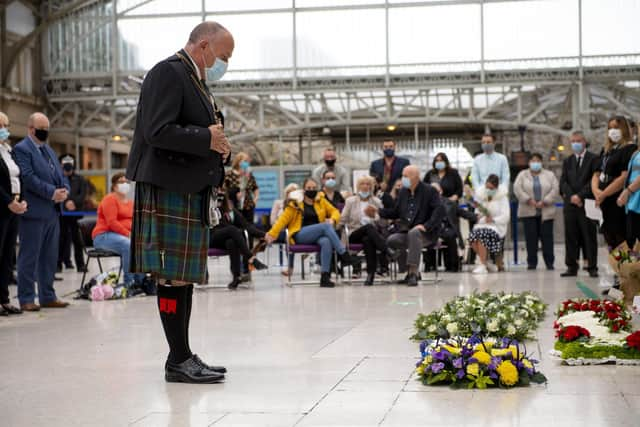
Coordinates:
x,y
427,360
508,373
499,352
473,369
451,349
482,357
420,369
488,345
527,364
514,351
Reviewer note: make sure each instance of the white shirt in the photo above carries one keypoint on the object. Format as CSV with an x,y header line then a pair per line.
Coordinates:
x,y
14,170
194,65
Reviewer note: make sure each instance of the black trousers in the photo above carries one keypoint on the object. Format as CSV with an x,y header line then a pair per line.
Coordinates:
x,y
369,236
8,238
579,231
70,233
536,230
450,255
231,239
633,228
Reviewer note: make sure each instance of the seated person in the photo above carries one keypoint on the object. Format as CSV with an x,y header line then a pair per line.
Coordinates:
x,y
113,227
362,226
418,212
450,234
311,221
494,214
229,235
276,211
329,189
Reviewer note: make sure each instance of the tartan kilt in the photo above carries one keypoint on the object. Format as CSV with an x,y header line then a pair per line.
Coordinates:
x,y
168,238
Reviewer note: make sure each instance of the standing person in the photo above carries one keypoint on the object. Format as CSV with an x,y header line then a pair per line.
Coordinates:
x,y
330,191
494,214
113,228
69,229
490,163
537,189
177,156
341,174
241,186
446,177
418,212
610,177
575,188
390,167
44,190
630,199
11,207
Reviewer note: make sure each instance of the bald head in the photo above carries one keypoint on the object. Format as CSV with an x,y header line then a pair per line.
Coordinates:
x,y
413,173
38,127
208,41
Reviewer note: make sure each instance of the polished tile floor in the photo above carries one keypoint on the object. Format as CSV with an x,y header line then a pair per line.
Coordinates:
x,y
301,356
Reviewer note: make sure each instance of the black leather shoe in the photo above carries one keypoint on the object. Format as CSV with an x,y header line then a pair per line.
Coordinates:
x,y
412,279
325,281
234,283
405,281
369,281
218,369
593,272
346,259
11,309
258,265
190,372
569,273
82,270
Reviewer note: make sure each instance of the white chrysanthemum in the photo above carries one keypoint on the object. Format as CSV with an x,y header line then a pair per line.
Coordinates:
x,y
493,326
511,330
452,328
432,328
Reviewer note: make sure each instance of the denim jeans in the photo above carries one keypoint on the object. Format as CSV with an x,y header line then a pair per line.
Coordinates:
x,y
326,237
121,245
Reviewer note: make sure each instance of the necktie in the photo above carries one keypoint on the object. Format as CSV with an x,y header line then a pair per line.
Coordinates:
x,y
44,153
578,163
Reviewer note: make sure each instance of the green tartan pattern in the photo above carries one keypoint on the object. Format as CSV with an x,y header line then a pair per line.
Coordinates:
x,y
167,236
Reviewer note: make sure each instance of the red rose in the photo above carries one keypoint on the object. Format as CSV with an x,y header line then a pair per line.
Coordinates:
x,y
611,316
616,328
572,333
633,340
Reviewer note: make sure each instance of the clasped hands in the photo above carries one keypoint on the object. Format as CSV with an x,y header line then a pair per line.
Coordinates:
x,y
219,142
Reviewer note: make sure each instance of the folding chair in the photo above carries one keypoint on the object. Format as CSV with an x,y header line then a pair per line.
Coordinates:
x,y
216,253
304,250
437,247
86,226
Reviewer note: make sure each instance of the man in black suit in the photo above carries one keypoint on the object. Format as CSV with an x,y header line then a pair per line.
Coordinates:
x,y
389,168
575,187
69,228
419,213
177,160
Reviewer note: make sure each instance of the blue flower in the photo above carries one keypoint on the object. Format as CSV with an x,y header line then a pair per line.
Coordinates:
x,y
460,374
437,367
441,355
423,346
457,363
493,375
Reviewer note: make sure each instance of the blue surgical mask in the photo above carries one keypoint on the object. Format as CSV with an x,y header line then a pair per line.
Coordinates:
x,y
406,182
577,147
535,166
440,165
363,194
488,148
4,134
216,71
330,183
244,165
491,192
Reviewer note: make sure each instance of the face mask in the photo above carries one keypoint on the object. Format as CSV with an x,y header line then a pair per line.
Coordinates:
x,y
491,192
535,166
389,152
4,134
244,165
216,71
576,147
615,135
123,188
311,193
488,148
330,183
363,194
406,182
296,195
330,163
68,167
42,134
440,165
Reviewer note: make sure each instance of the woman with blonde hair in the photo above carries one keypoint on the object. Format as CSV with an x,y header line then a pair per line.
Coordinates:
x,y
241,186
609,179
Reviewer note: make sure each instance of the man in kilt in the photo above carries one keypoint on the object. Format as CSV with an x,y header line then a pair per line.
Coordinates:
x,y
177,160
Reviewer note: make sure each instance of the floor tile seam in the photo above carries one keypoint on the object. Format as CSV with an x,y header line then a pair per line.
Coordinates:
x,y
219,419
336,339
331,390
395,401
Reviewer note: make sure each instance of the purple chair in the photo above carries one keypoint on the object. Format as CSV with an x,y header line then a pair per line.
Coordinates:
x,y
217,253
300,249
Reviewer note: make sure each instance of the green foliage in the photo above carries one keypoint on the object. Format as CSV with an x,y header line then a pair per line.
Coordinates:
x,y
576,349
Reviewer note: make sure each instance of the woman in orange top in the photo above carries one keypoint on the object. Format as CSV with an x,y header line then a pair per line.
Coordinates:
x,y
113,228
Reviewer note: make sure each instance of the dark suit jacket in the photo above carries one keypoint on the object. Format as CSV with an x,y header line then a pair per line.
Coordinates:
x,y
578,182
377,168
39,180
429,212
171,141
5,187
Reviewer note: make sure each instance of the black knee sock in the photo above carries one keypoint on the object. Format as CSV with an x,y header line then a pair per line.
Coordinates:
x,y
189,297
172,305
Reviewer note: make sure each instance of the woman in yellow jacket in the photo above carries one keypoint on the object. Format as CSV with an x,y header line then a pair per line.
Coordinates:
x,y
311,222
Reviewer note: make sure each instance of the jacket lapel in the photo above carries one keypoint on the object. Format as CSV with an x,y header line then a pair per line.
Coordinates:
x,y
192,72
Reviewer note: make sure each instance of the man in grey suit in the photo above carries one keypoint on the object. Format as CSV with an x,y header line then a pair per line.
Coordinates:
x,y
45,188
